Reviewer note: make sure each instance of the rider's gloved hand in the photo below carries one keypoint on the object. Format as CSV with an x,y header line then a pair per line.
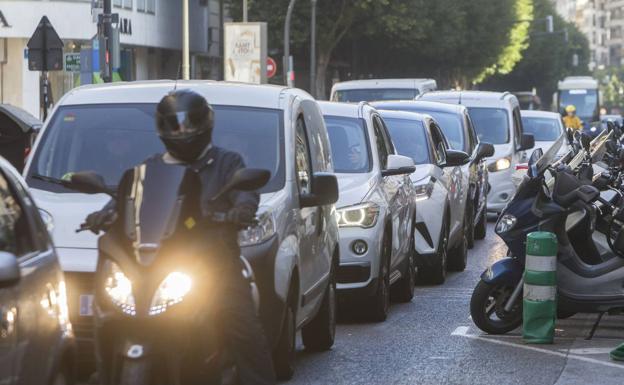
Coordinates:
x,y
244,215
101,220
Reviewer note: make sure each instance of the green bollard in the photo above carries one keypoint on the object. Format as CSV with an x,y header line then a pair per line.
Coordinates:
x,y
539,306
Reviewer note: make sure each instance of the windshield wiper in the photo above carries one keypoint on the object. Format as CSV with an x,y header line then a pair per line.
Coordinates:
x,y
50,179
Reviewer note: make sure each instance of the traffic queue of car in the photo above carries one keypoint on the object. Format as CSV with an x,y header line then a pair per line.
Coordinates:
x,y
364,199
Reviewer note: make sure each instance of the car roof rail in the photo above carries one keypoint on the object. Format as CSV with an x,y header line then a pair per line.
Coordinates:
x,y
504,95
361,108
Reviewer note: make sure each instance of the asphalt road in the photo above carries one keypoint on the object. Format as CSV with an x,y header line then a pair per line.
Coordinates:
x,y
432,340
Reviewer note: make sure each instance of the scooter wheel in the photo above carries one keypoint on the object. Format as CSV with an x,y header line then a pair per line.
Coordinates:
x,y
487,308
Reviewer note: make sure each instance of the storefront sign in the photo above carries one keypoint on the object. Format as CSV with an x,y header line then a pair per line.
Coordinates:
x,y
72,62
3,21
246,52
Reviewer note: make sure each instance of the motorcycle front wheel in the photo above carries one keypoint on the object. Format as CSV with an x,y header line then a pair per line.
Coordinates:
x,y
487,308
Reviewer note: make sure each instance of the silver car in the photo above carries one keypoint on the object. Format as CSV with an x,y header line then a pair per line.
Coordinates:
x,y
375,210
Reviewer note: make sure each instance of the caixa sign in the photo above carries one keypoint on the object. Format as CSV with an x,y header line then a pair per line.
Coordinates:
x,y
3,21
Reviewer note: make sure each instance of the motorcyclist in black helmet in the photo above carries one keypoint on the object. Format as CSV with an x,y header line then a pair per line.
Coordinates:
x,y
184,121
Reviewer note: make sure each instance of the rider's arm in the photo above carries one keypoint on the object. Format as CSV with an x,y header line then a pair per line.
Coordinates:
x,y
244,203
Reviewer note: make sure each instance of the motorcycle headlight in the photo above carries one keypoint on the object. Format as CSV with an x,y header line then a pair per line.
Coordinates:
x,y
171,291
499,165
119,288
260,232
47,219
423,190
505,223
363,215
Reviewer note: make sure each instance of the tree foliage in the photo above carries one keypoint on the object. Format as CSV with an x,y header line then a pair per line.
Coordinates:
x,y
548,57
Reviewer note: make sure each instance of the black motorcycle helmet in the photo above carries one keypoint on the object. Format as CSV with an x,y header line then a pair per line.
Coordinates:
x,y
184,120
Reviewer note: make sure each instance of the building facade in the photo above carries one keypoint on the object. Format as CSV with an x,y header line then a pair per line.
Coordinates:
x,y
150,34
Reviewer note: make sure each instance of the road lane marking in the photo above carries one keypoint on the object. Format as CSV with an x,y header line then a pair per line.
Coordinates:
x,y
462,331
584,351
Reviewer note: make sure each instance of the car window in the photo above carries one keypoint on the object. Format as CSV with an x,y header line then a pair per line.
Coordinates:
x,y
439,145
111,138
383,149
369,95
543,129
409,138
491,124
15,232
302,158
349,144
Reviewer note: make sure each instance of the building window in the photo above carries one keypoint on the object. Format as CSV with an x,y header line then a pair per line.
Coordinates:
x,y
151,6
148,6
127,4
141,5
117,3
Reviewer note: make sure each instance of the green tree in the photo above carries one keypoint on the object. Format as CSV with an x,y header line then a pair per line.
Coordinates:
x,y
548,58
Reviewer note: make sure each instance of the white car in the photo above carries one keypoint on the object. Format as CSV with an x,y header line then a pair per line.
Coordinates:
x,y
441,236
496,118
369,90
294,248
546,128
375,211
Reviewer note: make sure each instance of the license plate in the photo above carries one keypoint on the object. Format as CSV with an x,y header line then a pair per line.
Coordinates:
x,y
86,305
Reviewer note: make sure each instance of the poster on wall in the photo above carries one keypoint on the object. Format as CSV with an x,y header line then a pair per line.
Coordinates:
x,y
245,52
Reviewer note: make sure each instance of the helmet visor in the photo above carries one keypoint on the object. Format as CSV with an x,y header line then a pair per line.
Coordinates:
x,y
181,124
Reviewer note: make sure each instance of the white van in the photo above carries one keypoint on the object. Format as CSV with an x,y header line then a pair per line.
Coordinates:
x,y
496,119
369,90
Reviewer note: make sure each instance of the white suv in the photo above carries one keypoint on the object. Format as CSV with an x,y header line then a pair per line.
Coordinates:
x,y
369,90
496,119
376,209
294,248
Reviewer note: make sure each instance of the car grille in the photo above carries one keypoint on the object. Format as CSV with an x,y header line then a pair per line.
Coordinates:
x,y
353,273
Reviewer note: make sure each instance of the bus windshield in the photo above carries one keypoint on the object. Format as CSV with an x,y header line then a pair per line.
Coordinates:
x,y
585,101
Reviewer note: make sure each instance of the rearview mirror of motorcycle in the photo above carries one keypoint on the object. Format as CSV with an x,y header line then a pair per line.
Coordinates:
x,y
245,179
89,182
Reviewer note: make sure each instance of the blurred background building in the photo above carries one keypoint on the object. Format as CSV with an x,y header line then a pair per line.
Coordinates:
x,y
150,38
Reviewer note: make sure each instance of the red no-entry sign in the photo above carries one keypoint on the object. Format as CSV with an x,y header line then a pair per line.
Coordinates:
x,y
271,67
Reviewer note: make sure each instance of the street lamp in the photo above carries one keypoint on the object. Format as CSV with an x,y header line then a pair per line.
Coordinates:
x,y
287,61
313,50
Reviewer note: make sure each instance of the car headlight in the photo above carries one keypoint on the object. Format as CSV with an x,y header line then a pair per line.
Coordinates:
x,y
424,190
501,164
362,215
505,223
47,219
119,288
260,232
171,291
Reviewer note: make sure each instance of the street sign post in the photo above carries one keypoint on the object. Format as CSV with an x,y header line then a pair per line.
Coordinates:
x,y
271,67
45,53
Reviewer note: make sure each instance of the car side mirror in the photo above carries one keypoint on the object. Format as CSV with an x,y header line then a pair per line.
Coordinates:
x,y
485,150
324,191
456,158
9,270
527,142
398,165
585,140
89,182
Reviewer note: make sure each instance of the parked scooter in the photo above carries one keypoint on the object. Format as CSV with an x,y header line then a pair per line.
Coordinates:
x,y
584,285
153,281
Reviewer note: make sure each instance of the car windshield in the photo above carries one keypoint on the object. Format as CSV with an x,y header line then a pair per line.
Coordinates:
x,y
451,126
409,138
349,144
111,138
491,124
543,129
369,95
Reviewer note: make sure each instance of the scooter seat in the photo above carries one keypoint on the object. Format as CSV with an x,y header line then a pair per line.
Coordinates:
x,y
592,271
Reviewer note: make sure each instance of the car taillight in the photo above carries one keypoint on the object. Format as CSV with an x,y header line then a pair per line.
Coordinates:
x,y
522,166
